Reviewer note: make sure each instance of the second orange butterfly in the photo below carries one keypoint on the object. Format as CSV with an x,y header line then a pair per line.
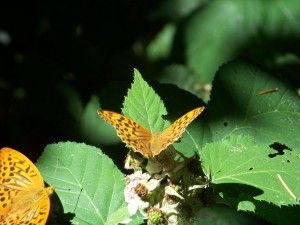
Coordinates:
x,y
24,198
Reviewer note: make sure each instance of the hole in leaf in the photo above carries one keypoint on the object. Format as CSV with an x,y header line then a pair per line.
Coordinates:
x,y
251,168
279,148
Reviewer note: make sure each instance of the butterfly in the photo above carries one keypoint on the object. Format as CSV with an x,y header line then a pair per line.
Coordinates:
x,y
24,199
142,140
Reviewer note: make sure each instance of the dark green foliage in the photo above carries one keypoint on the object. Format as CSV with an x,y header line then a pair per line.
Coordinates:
x,y
62,61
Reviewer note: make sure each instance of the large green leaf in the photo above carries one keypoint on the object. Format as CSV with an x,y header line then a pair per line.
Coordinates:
x,y
214,35
254,157
220,30
88,184
249,180
239,160
238,108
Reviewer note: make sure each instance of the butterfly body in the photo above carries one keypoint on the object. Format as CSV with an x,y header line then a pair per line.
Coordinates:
x,y
24,198
143,141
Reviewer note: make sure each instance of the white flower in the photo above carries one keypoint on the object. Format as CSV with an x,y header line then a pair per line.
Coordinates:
x,y
138,186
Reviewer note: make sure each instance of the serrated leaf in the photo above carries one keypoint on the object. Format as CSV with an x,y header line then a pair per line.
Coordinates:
x,y
238,108
88,184
144,106
239,160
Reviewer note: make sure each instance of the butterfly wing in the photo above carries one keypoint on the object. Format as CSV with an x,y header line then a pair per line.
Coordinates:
x,y
131,133
35,212
11,184
174,132
38,212
17,171
22,190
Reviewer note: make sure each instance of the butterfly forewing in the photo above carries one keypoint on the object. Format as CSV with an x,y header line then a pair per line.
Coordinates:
x,y
174,132
131,133
19,172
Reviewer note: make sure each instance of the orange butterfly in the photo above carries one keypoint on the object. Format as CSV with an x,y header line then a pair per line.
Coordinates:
x,y
140,139
23,196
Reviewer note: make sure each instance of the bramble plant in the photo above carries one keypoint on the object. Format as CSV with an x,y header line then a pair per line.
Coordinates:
x,y
229,154
217,108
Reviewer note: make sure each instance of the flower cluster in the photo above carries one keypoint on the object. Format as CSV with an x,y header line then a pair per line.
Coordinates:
x,y
148,196
160,201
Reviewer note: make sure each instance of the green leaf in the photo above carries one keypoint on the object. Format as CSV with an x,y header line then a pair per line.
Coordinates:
x,y
239,160
269,118
248,129
160,47
213,35
88,184
93,128
144,106
220,30
249,180
118,216
184,78
281,18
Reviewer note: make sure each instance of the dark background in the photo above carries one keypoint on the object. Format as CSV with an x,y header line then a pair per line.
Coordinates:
x,y
57,54
58,44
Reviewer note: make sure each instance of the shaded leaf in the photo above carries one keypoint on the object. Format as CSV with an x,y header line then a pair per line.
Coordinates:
x,y
239,160
88,184
94,129
238,108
